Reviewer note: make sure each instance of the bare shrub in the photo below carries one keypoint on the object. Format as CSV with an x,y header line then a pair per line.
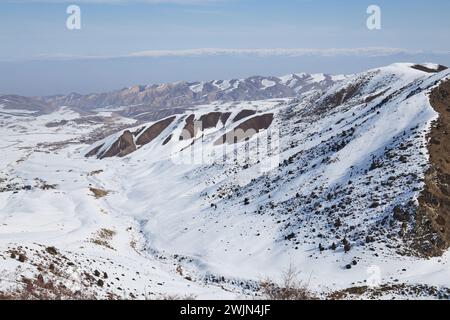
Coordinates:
x,y
175,297
291,289
47,285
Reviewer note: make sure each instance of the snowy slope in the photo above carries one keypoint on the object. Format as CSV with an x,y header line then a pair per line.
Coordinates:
x,y
194,216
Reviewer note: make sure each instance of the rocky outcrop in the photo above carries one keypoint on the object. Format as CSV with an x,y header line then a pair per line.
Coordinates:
x,y
244,114
224,117
429,69
154,131
94,151
210,120
247,129
129,141
123,146
433,216
189,130
206,121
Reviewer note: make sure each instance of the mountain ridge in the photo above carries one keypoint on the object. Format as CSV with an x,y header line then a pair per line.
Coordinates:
x,y
150,102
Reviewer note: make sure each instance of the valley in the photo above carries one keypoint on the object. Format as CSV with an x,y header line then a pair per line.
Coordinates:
x,y
147,193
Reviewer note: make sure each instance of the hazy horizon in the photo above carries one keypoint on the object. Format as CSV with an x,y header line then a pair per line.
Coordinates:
x,y
129,42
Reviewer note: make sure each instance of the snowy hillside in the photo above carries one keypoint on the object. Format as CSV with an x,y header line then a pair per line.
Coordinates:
x,y
208,201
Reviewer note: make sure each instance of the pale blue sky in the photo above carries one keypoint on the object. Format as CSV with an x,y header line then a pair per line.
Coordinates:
x,y
116,45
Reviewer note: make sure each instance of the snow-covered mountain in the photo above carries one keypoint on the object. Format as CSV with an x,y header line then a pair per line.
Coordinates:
x,y
152,102
346,178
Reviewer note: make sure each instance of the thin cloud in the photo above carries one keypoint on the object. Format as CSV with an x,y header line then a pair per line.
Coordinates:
x,y
296,52
270,52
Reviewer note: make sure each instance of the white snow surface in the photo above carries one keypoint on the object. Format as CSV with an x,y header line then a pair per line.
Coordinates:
x,y
161,211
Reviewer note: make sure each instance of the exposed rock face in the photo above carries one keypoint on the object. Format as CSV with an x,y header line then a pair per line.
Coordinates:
x,y
224,117
154,131
244,114
94,151
189,130
433,218
247,129
210,120
122,147
257,123
130,141
207,121
429,69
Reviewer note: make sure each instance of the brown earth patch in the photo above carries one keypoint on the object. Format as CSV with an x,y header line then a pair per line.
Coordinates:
x,y
247,129
433,215
429,70
210,120
189,128
244,114
122,147
224,117
154,131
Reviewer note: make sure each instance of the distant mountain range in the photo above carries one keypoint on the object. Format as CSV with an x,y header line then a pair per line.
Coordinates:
x,y
152,102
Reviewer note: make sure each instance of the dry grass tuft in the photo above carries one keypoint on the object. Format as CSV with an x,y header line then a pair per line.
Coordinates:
x,y
99,193
51,283
103,237
291,289
95,172
175,297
